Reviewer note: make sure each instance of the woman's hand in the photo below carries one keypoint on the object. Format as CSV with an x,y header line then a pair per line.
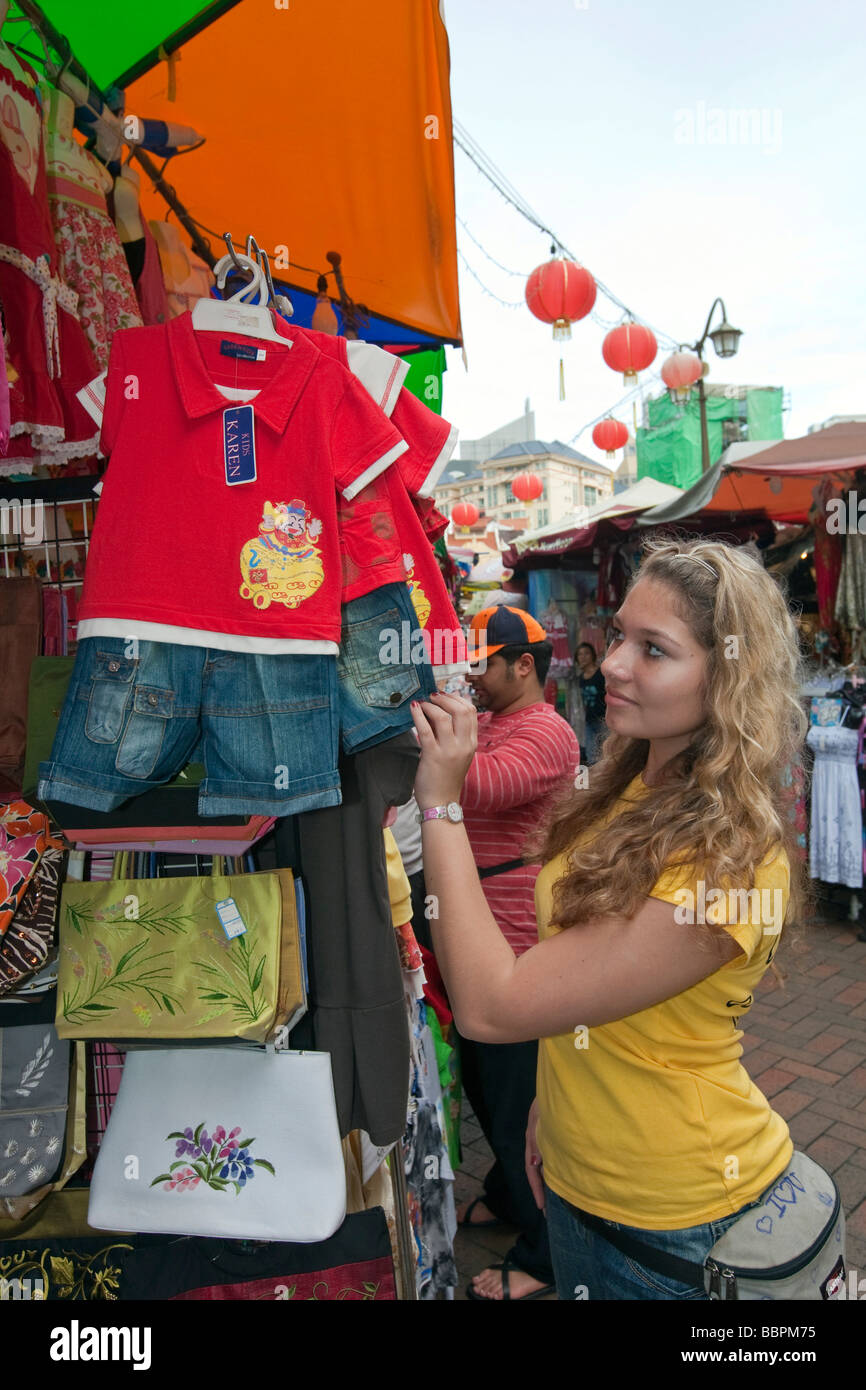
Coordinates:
x,y
534,1161
447,729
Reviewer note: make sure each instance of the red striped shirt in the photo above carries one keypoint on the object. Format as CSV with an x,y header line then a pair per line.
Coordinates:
x,y
523,760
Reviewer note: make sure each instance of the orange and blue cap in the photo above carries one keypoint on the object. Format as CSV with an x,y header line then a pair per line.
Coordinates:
x,y
501,626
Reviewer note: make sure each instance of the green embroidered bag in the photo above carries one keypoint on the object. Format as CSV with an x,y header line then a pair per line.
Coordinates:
x,y
165,959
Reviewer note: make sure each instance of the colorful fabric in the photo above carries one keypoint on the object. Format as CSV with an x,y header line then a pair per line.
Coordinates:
x,y
271,544
29,939
46,348
25,834
93,263
523,760
652,1121
90,257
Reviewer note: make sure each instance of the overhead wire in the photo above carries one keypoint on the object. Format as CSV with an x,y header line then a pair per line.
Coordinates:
x,y
494,175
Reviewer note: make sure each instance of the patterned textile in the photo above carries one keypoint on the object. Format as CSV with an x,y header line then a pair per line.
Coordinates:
x,y
24,836
851,598
92,263
794,781
29,941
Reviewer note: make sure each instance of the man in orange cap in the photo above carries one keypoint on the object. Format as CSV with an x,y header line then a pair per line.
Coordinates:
x,y
526,754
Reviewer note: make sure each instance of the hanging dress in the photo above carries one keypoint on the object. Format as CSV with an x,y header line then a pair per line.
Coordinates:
x,y
46,349
90,256
555,625
836,837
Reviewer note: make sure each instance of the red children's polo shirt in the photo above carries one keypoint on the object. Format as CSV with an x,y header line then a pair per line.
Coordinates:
x,y
188,547
382,536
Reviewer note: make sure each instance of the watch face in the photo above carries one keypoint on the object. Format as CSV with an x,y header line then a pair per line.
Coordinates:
x,y
455,811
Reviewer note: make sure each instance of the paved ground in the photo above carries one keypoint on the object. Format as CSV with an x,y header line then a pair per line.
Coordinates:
x,y
806,1049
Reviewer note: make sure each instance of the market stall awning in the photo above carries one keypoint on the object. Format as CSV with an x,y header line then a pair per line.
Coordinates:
x,y
776,483
557,539
328,127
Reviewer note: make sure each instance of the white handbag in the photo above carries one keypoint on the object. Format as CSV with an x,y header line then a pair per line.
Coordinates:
x,y
222,1142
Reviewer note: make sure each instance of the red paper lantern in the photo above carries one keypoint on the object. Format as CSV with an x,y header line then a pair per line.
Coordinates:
x,y
465,514
630,349
680,371
527,486
560,292
610,435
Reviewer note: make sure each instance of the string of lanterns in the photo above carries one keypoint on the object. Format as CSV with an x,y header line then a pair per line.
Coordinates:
x,y
561,292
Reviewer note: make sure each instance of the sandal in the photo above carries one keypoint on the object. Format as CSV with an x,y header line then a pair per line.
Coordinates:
x,y
468,1224
505,1267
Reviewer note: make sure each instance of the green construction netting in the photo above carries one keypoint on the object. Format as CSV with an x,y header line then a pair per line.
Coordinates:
x,y
115,42
424,378
764,413
669,450
671,453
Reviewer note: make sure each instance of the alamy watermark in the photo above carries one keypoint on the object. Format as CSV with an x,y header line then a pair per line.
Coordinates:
x,y
760,907
23,519
437,647
846,516
760,127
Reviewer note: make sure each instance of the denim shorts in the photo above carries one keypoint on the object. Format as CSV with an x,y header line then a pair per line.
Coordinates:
x,y
265,727
586,1266
382,667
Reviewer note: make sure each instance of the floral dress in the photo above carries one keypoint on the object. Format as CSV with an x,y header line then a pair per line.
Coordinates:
x,y
90,255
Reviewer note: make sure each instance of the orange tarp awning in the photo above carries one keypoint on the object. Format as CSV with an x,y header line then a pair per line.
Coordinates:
x,y
328,126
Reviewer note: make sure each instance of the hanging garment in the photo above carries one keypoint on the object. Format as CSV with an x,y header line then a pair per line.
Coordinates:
x,y
382,534
851,598
47,349
272,549
90,257
431,1200
185,275
836,836
139,247
828,555
356,1009
555,624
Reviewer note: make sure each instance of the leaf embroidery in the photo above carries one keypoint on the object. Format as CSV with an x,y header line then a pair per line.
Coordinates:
x,y
35,1068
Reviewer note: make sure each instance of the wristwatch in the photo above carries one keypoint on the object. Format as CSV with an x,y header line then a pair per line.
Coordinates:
x,y
453,812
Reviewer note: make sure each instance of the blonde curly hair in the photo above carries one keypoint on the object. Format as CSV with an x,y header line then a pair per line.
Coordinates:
x,y
723,805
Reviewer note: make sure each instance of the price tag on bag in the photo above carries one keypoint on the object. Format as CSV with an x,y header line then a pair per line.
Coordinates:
x,y
230,919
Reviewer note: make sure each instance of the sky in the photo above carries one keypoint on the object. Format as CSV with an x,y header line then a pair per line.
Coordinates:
x,y
619,123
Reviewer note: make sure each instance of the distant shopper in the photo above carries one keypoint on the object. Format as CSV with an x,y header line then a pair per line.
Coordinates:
x,y
592,692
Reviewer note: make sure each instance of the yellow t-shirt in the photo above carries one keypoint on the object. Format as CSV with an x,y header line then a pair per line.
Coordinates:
x,y
653,1121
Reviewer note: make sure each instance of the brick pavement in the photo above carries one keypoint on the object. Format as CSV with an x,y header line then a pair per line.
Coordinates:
x,y
805,1048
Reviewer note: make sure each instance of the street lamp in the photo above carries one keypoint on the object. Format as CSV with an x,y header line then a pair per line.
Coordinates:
x,y
725,339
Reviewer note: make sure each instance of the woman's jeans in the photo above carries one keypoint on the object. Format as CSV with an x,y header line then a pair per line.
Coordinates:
x,y
586,1266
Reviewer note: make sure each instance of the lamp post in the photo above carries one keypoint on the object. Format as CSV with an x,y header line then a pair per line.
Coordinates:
x,y
725,339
